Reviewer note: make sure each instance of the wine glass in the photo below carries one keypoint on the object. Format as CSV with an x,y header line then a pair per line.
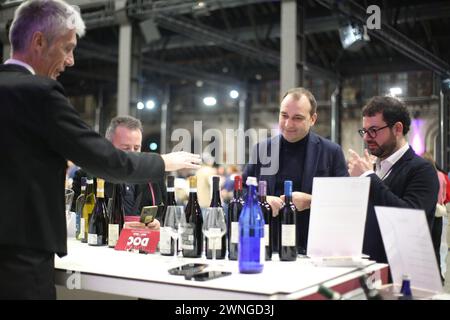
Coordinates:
x,y
174,223
69,198
70,216
214,227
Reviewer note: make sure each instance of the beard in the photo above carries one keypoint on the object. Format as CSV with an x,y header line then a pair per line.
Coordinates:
x,y
384,150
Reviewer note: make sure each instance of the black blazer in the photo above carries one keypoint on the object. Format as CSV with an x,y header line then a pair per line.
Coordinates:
x,y
40,131
323,159
412,183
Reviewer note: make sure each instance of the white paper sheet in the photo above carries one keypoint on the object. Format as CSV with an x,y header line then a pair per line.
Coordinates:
x,y
408,246
338,216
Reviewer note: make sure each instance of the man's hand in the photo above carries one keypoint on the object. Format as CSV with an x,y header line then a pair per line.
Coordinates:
x,y
181,160
301,200
154,225
358,165
276,204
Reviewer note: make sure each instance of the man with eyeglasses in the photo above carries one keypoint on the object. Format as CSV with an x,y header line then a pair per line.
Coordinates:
x,y
400,177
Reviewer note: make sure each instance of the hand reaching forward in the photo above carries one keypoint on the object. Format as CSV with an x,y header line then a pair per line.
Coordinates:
x,y
181,160
358,165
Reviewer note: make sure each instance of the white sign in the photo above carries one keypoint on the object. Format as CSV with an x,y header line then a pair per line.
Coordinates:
x,y
408,246
338,216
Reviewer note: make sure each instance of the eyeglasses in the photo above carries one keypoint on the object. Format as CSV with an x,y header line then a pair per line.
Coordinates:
x,y
372,132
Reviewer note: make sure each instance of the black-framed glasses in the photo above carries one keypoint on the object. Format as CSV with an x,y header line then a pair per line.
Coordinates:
x,y
372,132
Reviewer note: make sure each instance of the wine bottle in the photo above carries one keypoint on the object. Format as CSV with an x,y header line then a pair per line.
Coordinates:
x,y
267,214
234,211
251,233
116,216
78,206
221,246
167,245
192,236
86,211
287,235
405,290
98,226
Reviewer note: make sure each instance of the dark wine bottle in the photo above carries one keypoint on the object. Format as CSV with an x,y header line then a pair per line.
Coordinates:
x,y
287,233
221,246
97,234
251,233
116,216
267,214
192,237
234,211
167,245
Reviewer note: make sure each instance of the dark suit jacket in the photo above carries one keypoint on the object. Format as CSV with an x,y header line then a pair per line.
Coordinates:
x,y
143,196
412,183
323,159
40,131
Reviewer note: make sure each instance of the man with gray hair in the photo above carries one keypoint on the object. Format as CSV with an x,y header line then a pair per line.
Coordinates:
x,y
41,131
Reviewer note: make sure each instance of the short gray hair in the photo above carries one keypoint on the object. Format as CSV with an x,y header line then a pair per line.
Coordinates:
x,y
128,122
51,17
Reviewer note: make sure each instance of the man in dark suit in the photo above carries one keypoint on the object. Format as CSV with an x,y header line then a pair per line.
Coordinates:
x,y
40,132
401,179
298,154
125,133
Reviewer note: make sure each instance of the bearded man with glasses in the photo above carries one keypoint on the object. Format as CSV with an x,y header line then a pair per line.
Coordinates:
x,y
400,177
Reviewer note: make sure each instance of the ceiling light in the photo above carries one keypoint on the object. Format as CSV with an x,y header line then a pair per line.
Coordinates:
x,y
209,101
395,91
150,104
234,94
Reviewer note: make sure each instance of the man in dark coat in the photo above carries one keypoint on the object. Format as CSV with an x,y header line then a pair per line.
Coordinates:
x,y
298,154
401,178
40,132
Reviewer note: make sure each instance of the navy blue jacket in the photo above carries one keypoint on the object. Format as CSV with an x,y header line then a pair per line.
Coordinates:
x,y
323,159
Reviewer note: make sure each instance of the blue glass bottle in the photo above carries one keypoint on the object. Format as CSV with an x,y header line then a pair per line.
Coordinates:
x,y
251,233
406,288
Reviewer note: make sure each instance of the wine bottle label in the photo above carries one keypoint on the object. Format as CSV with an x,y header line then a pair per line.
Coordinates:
x,y
82,228
93,239
164,241
214,232
234,232
266,235
170,189
288,235
113,234
262,250
187,237
217,242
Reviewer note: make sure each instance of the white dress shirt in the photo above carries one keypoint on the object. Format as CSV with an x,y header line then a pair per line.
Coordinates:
x,y
21,63
384,167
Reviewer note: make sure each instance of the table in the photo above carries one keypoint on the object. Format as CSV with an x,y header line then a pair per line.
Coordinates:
x,y
106,270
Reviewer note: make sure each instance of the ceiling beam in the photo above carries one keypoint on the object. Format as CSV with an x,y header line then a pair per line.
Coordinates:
x,y
185,72
392,37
